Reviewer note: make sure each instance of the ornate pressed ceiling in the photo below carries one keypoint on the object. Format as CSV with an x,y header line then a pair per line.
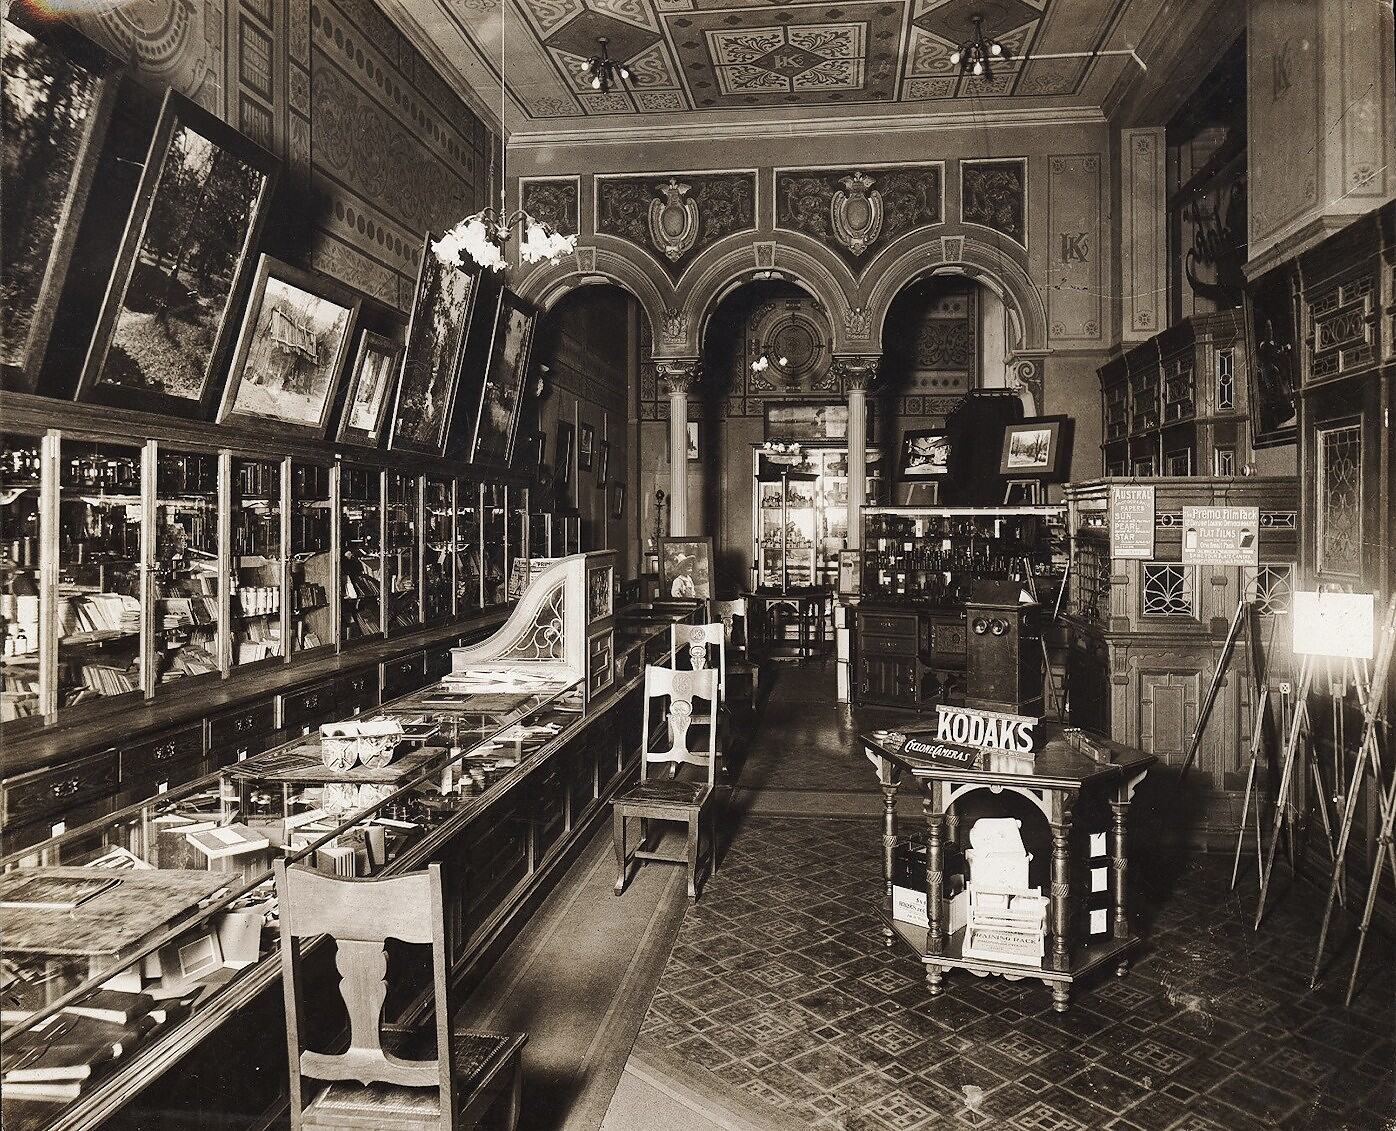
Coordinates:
x,y
708,63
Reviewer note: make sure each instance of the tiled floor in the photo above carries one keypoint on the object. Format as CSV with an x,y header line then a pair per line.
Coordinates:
x,y
779,986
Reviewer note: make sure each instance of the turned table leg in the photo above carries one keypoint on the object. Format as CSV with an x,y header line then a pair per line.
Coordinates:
x,y
1119,867
1061,908
889,846
935,880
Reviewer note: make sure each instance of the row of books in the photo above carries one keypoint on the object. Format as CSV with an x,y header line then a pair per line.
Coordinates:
x,y
101,612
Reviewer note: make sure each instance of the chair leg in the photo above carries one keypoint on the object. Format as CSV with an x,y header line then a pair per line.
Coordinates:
x,y
695,824
515,1094
622,863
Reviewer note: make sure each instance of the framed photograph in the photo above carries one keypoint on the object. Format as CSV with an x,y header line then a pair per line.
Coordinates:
x,y
1039,448
1274,349
182,267
686,567
431,364
294,340
925,453
603,463
370,390
501,395
586,446
617,500
562,473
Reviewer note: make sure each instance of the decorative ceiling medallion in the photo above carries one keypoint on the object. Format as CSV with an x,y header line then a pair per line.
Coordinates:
x,y
856,213
673,220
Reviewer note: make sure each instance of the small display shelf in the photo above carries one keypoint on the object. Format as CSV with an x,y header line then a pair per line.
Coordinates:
x,y
258,575
312,557
361,553
188,594
21,474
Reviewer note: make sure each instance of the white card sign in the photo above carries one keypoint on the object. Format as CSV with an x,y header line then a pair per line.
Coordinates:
x,y
1334,624
1225,536
1132,521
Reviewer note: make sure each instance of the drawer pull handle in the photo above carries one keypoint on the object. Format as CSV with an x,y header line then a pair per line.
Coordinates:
x,y
66,788
165,751
310,702
244,723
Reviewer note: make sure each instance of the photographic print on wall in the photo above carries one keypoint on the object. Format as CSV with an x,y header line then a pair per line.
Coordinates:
x,y
618,500
686,567
809,421
295,337
603,463
431,365
501,396
182,267
370,390
562,474
1274,383
586,446
925,453
1039,448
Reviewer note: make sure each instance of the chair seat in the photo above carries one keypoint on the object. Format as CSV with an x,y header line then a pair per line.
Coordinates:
x,y
346,1104
657,791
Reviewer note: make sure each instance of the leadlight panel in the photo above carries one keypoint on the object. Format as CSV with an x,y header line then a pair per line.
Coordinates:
x,y
1224,460
1271,588
1167,590
1226,380
1340,500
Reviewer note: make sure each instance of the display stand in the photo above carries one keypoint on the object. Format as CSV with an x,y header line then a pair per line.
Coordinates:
x,y
1240,617
1031,489
1259,671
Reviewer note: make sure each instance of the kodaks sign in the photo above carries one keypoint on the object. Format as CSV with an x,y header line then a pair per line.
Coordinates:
x,y
962,732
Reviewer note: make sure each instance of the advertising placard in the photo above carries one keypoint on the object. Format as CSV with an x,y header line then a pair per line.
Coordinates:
x,y
1223,536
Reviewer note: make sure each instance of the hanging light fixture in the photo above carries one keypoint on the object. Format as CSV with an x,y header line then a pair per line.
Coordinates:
x,y
603,71
483,236
977,56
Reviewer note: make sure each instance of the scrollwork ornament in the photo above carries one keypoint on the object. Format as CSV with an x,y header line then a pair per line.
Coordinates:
x,y
673,218
855,213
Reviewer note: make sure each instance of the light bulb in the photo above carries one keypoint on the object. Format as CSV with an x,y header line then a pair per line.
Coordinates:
x,y
596,83
978,67
625,73
955,58
783,361
996,49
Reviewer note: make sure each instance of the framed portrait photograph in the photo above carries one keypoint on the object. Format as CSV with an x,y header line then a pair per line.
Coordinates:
x,y
370,392
603,463
562,473
501,395
442,308
686,567
295,337
617,500
182,267
586,446
925,453
1039,448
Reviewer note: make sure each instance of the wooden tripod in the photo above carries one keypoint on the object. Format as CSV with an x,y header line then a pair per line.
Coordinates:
x,y
1259,672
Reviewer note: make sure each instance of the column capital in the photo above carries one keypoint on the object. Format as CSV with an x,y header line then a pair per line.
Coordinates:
x,y
856,371
678,374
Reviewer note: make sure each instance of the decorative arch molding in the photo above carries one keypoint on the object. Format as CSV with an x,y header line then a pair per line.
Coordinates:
x,y
548,283
738,259
1002,271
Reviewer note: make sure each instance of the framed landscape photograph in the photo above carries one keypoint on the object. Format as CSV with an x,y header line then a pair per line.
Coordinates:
x,y
295,337
686,567
1039,448
925,453
182,266
501,395
586,446
810,421
431,364
370,390
603,463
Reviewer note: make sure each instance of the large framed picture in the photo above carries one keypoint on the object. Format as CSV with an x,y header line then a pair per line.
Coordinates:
x,y
182,267
810,421
431,364
1039,448
686,567
370,390
586,446
925,453
501,395
1274,352
295,337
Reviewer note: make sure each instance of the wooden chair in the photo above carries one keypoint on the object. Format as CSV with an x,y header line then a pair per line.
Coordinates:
x,y
678,799
441,1078
742,676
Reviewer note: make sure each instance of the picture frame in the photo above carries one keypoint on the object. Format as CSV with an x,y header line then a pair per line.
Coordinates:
x,y
925,454
586,446
1272,344
190,232
810,422
603,463
443,306
686,567
562,473
296,333
617,501
501,391
1038,448
372,384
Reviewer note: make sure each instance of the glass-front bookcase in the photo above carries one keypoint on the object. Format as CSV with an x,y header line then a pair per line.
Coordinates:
x,y
470,593
401,551
496,550
258,576
801,515
21,479
188,596
438,557
312,557
361,552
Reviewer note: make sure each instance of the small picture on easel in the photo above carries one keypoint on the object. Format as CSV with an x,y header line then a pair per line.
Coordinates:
x,y
1037,449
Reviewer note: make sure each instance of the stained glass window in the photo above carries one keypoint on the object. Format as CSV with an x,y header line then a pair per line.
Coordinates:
x,y
1226,379
1340,500
1271,587
1167,590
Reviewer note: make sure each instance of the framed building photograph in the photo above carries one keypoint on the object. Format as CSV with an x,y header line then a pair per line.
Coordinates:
x,y
603,463
442,308
295,337
686,567
925,453
501,395
586,446
182,267
1039,448
370,392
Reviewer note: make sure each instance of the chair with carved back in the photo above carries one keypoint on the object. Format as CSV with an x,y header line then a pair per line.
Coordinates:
x,y
433,1076
743,674
680,799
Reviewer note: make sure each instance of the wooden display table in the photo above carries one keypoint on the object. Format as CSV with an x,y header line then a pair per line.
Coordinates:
x,y
810,606
1057,781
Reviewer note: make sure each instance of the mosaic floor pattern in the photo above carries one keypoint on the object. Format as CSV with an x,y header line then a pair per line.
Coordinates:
x,y
779,985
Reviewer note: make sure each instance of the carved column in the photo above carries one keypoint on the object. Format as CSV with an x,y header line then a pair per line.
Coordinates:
x,y
935,886
679,377
856,374
1119,865
1060,913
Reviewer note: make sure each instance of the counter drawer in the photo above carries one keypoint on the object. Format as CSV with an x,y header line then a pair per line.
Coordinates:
x,y
169,776
240,725
308,707
148,757
438,663
888,624
358,691
888,645
28,797
403,675
16,837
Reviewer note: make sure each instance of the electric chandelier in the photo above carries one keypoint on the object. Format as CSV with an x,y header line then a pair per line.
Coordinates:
x,y
603,71
977,55
483,235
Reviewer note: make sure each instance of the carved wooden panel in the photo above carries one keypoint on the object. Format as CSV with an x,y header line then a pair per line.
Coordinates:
x,y
1074,248
993,194
1143,241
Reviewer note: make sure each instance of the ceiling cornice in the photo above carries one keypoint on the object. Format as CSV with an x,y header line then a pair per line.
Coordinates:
x,y
630,133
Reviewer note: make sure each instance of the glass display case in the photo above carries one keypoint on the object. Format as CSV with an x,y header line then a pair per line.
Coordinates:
x,y
518,527
496,567
401,499
99,604
438,546
187,618
361,553
801,515
470,591
312,557
258,573
21,482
